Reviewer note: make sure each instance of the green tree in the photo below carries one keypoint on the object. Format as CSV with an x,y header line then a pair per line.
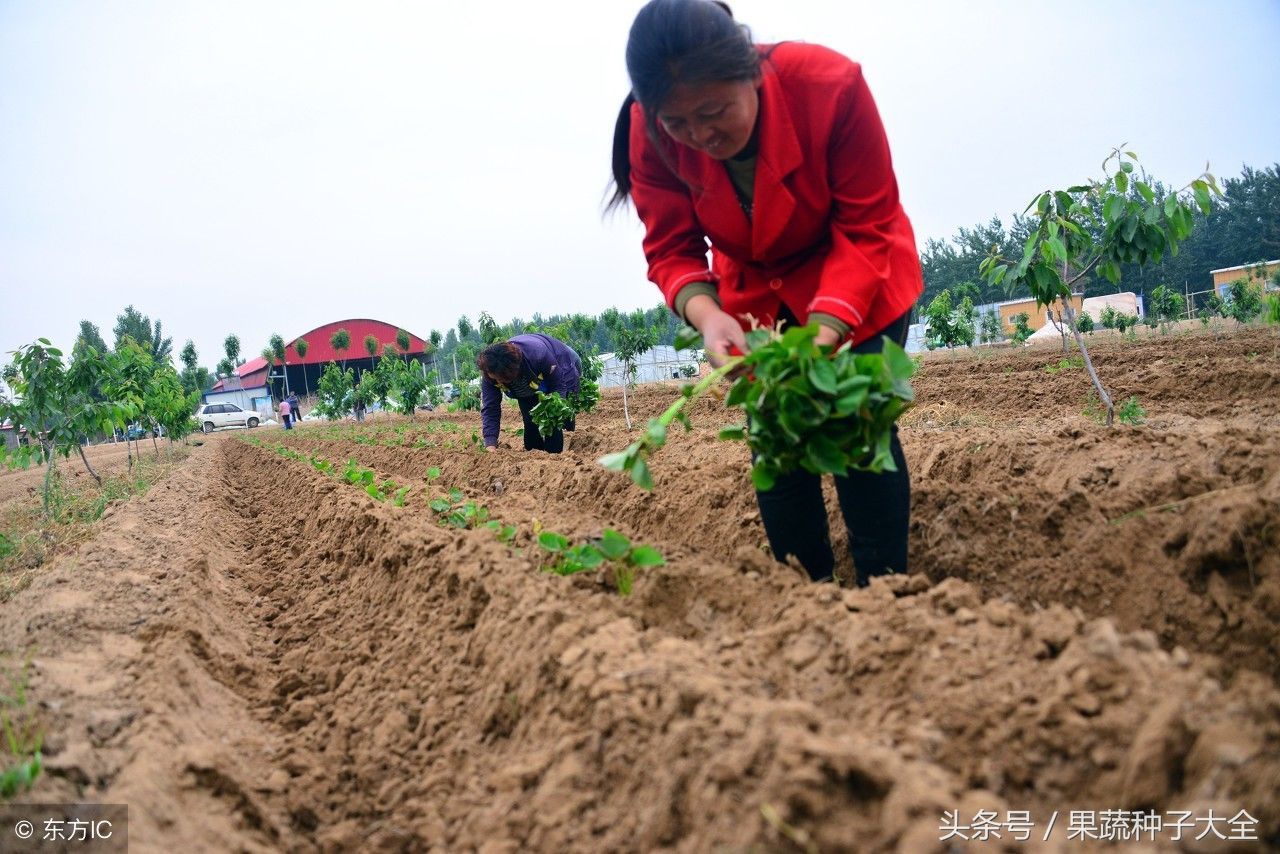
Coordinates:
x,y
1021,327
464,328
90,336
1244,300
279,354
335,393
434,393
55,403
632,336
466,368
1097,225
133,324
408,382
966,321
1271,310
950,326
340,341
989,328
949,265
490,331
938,316
90,340
189,356
231,346
165,406
403,342
129,370
194,378
1166,306
371,346
1085,322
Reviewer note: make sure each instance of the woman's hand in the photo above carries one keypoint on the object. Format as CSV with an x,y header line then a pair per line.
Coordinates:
x,y
827,337
721,332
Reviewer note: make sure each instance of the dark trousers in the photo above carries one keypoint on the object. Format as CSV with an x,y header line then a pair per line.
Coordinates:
x,y
533,440
876,507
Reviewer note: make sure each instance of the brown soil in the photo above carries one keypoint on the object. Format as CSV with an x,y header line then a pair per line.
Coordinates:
x,y
259,657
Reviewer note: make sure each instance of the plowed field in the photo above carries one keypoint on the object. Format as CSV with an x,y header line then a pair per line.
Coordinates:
x,y
259,656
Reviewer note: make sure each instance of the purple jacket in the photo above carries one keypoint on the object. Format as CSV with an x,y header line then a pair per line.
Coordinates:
x,y
555,367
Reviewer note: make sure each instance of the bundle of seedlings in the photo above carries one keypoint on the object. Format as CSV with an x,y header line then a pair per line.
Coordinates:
x,y
807,407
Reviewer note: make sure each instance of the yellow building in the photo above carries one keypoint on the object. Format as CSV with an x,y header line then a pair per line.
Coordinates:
x,y
1036,316
1261,272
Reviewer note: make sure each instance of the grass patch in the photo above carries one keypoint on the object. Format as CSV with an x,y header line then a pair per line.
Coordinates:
x,y
942,414
28,540
21,763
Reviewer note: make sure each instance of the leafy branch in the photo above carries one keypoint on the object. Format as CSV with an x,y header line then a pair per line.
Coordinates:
x,y
806,406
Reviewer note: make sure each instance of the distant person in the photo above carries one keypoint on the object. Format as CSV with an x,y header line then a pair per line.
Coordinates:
x,y
285,411
775,156
359,409
295,408
520,368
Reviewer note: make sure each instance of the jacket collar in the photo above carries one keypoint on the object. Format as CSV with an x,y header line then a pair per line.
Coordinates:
x,y
779,155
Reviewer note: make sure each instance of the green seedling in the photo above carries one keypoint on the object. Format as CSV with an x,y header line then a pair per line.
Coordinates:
x,y
380,492
550,414
444,505
357,475
456,512
504,533
612,548
1064,365
1130,412
569,559
587,396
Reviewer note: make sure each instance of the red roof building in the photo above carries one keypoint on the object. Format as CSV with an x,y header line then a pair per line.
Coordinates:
x,y
304,373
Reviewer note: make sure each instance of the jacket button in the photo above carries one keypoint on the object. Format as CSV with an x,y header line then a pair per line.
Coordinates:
x,y
775,283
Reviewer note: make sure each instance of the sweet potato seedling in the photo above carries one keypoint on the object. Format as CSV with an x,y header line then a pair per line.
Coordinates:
x,y
455,511
806,406
550,413
505,533
612,547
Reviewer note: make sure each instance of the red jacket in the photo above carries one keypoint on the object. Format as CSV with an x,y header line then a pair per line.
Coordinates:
x,y
828,233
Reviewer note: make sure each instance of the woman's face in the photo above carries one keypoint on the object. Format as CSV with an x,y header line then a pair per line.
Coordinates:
x,y
714,118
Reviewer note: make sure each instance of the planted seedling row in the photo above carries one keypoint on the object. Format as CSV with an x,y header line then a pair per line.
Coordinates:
x,y
564,557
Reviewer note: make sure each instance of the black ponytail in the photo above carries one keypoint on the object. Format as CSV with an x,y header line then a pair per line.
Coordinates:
x,y
621,156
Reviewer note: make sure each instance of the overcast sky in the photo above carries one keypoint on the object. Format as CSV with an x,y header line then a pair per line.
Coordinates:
x,y
259,167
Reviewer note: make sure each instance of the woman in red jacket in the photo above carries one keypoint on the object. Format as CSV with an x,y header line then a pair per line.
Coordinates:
x,y
776,157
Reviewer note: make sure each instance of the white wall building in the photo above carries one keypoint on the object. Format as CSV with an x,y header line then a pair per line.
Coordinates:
x,y
663,362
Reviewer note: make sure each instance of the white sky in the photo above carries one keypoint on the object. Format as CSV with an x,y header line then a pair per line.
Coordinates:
x,y
260,167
